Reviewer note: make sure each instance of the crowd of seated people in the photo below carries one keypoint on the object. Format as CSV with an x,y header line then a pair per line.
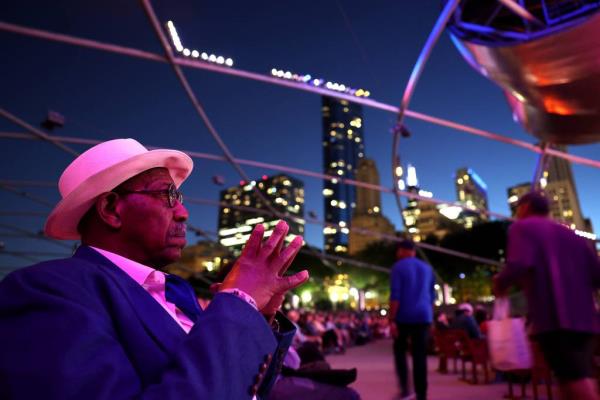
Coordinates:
x,y
334,331
306,373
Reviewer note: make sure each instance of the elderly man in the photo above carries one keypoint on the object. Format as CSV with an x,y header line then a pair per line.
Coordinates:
x,y
108,324
559,273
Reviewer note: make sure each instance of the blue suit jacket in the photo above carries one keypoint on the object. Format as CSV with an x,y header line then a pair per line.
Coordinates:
x,y
81,328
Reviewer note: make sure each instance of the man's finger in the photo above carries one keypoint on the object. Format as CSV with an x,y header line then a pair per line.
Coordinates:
x,y
272,242
287,256
253,244
291,281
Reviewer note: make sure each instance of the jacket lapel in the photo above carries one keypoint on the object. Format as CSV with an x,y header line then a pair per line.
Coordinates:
x,y
158,323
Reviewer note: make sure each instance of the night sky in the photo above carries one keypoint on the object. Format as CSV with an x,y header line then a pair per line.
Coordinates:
x,y
371,44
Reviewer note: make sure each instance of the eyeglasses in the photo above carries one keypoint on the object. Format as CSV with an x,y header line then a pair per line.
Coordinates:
x,y
171,192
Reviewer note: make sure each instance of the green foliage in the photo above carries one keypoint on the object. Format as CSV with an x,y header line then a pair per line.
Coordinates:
x,y
486,240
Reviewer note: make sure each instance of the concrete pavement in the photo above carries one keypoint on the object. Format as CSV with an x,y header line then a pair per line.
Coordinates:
x,y
377,379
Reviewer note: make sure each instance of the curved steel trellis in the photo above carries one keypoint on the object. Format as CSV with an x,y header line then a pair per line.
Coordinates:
x,y
178,62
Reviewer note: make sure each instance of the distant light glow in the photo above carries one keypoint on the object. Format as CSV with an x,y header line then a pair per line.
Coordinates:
x,y
425,193
513,198
477,179
462,275
401,185
411,176
450,212
186,52
306,296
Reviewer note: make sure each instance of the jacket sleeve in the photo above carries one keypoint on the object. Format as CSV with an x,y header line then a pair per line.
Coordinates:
x,y
521,256
58,342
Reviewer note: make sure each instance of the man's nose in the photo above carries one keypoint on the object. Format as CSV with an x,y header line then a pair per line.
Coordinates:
x,y
180,213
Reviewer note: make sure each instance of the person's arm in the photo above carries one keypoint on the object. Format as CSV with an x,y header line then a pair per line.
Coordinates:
x,y
594,266
60,342
520,258
395,289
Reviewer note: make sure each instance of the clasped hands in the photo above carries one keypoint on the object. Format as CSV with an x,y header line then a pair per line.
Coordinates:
x,y
260,269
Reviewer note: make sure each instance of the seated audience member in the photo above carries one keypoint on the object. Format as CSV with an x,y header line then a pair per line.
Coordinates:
x,y
441,322
463,319
482,319
109,324
301,382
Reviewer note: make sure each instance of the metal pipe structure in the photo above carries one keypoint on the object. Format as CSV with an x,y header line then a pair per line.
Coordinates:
x,y
411,85
12,118
274,167
132,52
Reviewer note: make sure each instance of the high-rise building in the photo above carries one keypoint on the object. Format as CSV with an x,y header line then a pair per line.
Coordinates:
x,y
368,212
411,212
559,184
425,218
471,191
343,147
241,209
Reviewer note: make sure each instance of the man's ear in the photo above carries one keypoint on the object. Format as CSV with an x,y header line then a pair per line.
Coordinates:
x,y
106,207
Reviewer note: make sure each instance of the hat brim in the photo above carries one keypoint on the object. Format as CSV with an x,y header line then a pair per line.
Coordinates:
x,y
64,219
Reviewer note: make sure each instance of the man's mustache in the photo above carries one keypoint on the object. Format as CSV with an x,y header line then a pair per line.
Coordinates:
x,y
178,230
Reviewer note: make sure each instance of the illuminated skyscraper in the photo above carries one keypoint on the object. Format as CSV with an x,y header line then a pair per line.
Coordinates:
x,y
286,195
368,213
343,147
471,190
559,184
411,211
424,218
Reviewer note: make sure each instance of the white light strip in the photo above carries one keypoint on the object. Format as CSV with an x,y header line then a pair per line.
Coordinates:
x,y
587,235
174,36
212,58
317,82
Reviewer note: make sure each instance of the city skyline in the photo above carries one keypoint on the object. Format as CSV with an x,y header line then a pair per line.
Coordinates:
x,y
104,96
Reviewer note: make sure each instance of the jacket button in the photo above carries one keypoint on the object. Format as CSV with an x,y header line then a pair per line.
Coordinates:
x,y
268,358
258,378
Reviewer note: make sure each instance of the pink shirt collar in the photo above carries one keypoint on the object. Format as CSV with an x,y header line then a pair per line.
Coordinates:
x,y
138,272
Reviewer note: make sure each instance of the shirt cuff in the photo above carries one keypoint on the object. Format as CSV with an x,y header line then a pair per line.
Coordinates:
x,y
242,295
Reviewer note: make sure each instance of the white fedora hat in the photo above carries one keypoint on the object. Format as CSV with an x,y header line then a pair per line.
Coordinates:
x,y
101,169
